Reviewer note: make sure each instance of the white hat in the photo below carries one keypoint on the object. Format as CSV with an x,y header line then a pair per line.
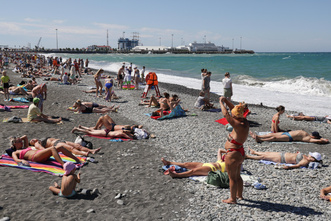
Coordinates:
x,y
316,155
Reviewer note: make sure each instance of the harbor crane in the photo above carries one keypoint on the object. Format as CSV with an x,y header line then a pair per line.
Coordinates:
x,y
37,46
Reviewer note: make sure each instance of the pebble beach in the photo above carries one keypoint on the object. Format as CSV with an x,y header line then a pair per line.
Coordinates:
x,y
133,169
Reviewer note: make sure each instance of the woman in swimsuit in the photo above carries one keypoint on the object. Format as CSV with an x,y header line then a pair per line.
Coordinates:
x,y
234,145
91,107
197,168
301,116
104,133
298,159
275,119
108,85
97,80
70,146
40,156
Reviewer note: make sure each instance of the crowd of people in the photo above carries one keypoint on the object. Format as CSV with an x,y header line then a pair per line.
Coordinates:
x,y
229,160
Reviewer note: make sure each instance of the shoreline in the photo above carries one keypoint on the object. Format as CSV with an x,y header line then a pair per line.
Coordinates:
x,y
135,167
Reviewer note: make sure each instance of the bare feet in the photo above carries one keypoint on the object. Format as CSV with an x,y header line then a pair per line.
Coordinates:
x,y
255,137
165,162
289,116
229,201
96,150
251,150
172,174
56,185
74,130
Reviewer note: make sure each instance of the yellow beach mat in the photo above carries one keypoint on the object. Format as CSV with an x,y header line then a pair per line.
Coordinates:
x,y
23,120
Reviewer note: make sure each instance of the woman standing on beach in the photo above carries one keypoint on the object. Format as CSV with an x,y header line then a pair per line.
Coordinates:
x,y
234,145
275,120
108,85
97,80
136,78
5,84
227,84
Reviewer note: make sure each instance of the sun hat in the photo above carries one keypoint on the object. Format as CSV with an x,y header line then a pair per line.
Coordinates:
x,y
68,167
316,134
316,155
238,111
35,100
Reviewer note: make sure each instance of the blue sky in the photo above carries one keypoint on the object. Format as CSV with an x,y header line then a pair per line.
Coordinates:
x,y
263,25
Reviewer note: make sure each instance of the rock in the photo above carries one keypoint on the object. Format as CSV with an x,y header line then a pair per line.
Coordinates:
x,y
90,211
5,219
120,202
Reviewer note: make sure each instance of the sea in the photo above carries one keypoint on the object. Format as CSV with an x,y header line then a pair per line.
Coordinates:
x,y
299,81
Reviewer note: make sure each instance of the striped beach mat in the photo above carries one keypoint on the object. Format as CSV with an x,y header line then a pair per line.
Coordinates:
x,y
50,166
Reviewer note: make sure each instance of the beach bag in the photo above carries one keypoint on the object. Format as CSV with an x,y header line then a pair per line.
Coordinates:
x,y
81,141
217,178
15,119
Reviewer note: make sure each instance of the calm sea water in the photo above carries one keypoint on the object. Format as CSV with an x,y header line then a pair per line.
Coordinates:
x,y
299,81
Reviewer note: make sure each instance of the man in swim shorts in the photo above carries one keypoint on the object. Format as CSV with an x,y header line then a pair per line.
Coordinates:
x,y
296,135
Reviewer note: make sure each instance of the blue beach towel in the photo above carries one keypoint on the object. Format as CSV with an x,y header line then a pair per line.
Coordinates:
x,y
176,112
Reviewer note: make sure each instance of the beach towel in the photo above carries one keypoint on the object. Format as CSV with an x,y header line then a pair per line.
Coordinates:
x,y
312,165
176,112
214,110
223,121
128,87
9,119
19,99
50,166
15,107
109,138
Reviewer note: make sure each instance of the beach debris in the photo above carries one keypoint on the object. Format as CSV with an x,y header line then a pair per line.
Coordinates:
x,y
118,196
120,202
5,218
90,211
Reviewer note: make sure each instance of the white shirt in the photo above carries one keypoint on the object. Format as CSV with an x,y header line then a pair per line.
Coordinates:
x,y
227,82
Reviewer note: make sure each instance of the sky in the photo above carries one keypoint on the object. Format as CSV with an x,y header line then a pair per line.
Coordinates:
x,y
259,25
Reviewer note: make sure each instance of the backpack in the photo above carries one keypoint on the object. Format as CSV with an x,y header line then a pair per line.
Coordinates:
x,y
217,178
81,141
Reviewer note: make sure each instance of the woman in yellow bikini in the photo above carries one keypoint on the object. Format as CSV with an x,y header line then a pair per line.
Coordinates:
x,y
197,168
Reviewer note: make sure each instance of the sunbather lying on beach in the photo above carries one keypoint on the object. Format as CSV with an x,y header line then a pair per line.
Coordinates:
x,y
324,193
197,168
298,159
70,146
13,90
103,133
295,135
113,95
39,156
301,116
110,125
91,107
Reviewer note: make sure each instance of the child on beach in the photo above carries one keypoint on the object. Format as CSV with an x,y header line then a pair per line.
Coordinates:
x,y
108,85
69,182
5,84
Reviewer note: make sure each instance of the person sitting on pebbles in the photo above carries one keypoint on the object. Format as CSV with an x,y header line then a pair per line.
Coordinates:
x,y
68,183
35,115
295,135
298,159
197,168
203,103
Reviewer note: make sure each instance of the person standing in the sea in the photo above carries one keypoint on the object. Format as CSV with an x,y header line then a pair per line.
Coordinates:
x,y
227,85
